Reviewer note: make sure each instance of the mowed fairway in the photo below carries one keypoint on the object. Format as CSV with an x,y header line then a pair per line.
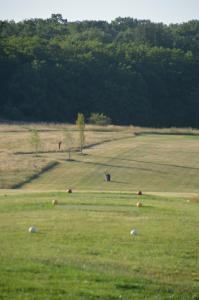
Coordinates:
x,y
84,250
152,163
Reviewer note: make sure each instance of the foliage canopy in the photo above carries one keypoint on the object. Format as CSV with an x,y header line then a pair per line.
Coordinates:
x,y
134,71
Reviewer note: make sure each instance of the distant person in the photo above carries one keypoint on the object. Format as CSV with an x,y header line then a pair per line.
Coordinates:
x,y
107,177
59,144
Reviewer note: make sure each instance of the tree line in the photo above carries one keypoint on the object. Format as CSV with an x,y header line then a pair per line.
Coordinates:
x,y
134,71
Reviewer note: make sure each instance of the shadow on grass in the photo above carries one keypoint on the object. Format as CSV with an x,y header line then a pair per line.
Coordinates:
x,y
147,162
35,176
120,166
42,152
105,141
167,133
122,182
74,149
129,286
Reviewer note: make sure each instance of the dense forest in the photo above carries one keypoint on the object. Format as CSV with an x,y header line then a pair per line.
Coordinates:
x,y
134,71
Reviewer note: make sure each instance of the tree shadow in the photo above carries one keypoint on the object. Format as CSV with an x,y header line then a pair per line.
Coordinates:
x,y
46,168
148,162
121,166
121,182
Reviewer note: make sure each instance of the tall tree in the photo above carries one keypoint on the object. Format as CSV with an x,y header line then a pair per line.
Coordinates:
x,y
35,140
81,127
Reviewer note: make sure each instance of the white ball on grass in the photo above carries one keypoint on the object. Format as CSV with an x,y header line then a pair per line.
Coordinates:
x,y
134,232
32,229
55,202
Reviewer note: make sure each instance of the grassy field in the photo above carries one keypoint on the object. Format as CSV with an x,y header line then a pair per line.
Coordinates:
x,y
147,162
165,162
83,249
18,162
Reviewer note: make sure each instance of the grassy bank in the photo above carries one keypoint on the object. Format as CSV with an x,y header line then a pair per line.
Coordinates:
x,y
84,250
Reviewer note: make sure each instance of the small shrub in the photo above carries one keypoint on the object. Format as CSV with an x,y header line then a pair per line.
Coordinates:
x,y
99,119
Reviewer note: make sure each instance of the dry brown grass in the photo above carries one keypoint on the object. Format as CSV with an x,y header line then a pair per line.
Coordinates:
x,y
17,157
171,130
195,199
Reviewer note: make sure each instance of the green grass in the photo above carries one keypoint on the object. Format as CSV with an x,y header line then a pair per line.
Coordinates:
x,y
153,163
84,250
